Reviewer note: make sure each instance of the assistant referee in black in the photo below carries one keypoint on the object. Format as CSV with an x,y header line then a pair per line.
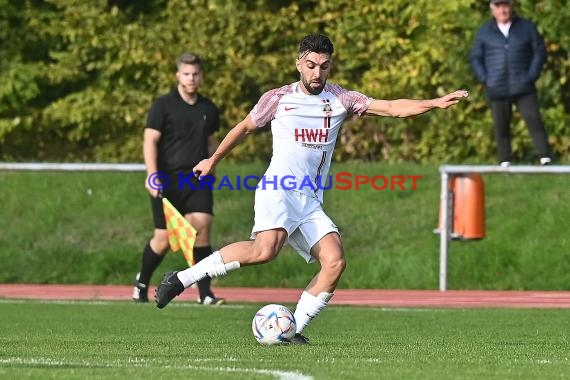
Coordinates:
x,y
179,133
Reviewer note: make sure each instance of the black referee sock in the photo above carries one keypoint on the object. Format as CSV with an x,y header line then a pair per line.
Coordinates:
x,y
204,285
150,261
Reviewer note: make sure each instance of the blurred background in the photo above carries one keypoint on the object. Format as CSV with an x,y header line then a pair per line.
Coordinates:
x,y
77,77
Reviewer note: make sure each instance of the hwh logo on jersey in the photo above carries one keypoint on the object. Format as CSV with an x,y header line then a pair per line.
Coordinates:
x,y
311,135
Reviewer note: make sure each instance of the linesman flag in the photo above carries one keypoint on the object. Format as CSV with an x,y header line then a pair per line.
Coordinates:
x,y
181,234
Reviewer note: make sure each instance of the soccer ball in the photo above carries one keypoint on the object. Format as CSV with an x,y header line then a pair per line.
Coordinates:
x,y
273,324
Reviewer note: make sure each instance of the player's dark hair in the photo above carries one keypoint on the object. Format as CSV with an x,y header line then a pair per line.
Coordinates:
x,y
188,59
316,43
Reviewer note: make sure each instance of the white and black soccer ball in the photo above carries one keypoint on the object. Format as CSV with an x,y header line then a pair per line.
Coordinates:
x,y
273,324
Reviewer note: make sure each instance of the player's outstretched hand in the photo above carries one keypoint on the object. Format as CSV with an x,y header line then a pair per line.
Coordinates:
x,y
451,99
204,167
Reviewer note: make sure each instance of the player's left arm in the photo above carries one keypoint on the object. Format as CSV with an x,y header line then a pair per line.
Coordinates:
x,y
411,107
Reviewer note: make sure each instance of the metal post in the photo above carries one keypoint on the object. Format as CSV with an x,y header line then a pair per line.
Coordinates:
x,y
444,231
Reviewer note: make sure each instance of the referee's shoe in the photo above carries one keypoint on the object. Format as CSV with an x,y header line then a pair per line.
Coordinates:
x,y
140,291
211,300
169,287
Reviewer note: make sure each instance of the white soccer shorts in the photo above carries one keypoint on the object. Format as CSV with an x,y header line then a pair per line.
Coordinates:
x,y
301,216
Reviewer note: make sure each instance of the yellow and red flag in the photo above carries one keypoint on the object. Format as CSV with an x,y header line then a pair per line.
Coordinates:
x,y
181,234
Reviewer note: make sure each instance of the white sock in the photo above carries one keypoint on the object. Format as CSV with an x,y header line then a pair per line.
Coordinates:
x,y
308,307
212,266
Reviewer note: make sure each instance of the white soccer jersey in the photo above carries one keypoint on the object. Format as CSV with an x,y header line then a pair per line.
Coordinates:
x,y
304,129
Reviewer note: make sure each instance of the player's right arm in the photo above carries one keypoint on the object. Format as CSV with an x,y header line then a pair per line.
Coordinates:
x,y
150,154
232,139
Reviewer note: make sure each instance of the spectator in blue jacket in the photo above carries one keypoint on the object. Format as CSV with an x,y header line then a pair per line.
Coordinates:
x,y
507,58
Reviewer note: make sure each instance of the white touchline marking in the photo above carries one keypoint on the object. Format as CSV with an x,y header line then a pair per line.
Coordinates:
x,y
230,359
56,302
139,362
191,304
391,309
98,302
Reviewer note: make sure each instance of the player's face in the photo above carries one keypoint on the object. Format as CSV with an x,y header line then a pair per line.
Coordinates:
x,y
502,12
189,78
314,69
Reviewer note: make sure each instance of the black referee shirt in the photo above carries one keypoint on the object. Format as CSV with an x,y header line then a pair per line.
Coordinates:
x,y
184,130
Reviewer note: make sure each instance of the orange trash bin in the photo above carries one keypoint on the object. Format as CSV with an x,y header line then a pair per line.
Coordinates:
x,y
468,207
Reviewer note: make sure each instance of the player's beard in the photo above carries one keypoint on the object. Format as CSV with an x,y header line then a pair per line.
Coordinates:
x,y
311,89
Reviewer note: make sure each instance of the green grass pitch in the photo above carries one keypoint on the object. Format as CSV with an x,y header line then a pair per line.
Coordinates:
x,y
121,340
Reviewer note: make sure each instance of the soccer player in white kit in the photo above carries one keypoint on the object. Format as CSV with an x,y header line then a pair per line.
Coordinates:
x,y
305,118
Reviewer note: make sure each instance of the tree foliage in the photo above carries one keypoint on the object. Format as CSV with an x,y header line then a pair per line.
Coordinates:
x,y
78,77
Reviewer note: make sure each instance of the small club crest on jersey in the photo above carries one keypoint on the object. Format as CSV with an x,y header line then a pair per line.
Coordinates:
x,y
327,109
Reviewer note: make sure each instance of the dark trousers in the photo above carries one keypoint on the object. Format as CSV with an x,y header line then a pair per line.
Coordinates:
x,y
502,112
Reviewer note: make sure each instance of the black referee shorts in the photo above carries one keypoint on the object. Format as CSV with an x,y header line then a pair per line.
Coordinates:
x,y
185,199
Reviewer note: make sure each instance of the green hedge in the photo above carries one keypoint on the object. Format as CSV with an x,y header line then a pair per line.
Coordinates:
x,y
77,77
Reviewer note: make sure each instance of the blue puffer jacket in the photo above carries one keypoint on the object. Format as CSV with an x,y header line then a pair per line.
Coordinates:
x,y
508,66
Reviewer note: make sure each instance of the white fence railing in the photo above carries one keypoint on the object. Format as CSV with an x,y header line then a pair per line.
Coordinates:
x,y
71,167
